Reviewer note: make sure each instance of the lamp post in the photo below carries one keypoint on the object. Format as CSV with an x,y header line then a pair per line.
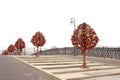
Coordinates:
x,y
73,22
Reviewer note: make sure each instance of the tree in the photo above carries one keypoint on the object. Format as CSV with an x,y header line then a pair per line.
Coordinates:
x,y
20,44
11,48
84,38
38,40
5,52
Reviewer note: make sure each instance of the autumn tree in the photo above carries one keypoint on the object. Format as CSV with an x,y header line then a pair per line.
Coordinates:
x,y
11,48
84,38
20,44
5,52
38,40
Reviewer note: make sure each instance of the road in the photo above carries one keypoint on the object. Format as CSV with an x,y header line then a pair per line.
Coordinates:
x,y
11,69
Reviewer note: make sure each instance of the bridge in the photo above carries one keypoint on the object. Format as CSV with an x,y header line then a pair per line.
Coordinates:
x,y
62,64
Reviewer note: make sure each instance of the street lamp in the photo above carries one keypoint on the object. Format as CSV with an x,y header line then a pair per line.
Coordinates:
x,y
73,22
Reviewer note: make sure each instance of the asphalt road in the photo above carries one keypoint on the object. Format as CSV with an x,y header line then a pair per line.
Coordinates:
x,y
11,69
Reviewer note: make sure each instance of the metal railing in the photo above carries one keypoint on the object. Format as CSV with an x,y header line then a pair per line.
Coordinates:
x,y
112,53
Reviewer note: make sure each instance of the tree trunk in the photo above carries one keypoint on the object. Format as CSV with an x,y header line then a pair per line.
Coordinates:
x,y
20,53
84,59
37,54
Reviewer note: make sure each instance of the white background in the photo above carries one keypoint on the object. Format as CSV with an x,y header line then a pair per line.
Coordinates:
x,y
22,18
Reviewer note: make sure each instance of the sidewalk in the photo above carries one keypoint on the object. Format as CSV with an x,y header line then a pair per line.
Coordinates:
x,y
61,67
107,61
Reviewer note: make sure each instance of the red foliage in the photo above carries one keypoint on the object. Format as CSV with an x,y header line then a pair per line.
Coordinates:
x,y
5,52
11,48
20,44
84,37
38,39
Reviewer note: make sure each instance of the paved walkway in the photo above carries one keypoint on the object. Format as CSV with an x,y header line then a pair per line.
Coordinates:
x,y
11,69
58,67
107,61
62,67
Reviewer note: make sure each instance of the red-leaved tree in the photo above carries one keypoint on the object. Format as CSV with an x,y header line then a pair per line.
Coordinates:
x,y
11,48
38,40
84,38
20,44
5,52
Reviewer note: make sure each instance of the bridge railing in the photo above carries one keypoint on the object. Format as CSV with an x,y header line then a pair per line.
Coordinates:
x,y
113,53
